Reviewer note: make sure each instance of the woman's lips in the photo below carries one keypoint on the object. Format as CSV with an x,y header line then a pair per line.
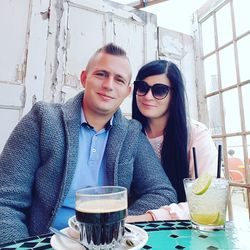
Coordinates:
x,y
149,105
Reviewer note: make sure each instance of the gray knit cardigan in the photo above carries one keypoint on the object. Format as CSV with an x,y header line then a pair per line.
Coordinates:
x,y
39,159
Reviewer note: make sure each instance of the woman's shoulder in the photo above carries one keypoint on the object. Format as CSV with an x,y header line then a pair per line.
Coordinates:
x,y
198,132
197,126
197,129
206,151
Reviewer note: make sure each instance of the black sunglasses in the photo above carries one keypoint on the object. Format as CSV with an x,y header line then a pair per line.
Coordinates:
x,y
159,90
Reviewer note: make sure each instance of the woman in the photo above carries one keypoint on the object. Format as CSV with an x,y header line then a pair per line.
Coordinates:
x,y
159,103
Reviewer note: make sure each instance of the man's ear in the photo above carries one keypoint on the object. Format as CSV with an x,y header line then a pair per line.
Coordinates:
x,y
83,77
129,90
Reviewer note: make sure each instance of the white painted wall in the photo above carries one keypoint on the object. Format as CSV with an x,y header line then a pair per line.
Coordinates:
x,y
51,41
22,60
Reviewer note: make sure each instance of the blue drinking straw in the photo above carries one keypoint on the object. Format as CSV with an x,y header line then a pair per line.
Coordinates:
x,y
195,164
219,162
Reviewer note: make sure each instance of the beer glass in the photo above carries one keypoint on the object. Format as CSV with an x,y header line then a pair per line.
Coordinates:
x,y
207,209
100,213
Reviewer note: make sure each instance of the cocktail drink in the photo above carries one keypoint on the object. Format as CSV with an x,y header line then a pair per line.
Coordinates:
x,y
207,202
100,214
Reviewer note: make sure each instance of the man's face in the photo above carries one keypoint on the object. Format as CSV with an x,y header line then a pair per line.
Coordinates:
x,y
106,84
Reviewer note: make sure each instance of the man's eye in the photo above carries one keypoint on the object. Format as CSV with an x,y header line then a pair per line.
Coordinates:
x,y
102,74
121,81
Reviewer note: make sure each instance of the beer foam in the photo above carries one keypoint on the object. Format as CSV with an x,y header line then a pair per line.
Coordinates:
x,y
101,206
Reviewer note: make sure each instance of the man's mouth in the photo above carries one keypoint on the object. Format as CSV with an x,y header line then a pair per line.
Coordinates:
x,y
105,96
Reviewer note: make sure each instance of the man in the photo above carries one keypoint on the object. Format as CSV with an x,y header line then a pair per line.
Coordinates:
x,y
58,148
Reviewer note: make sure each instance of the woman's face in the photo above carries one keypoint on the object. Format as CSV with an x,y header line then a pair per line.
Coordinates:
x,y
148,105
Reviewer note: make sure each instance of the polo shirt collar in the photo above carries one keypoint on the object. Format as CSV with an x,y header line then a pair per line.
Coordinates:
x,y
84,122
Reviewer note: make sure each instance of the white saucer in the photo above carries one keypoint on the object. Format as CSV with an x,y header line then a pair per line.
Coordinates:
x,y
137,235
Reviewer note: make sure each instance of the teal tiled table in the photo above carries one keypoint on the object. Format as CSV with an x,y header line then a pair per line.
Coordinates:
x,y
166,235
179,235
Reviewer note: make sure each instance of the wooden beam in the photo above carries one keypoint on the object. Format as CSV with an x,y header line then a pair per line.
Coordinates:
x,y
145,3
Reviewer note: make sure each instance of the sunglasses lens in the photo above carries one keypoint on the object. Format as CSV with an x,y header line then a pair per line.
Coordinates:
x,y
142,88
160,91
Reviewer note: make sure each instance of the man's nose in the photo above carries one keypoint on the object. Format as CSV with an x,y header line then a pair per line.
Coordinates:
x,y
108,83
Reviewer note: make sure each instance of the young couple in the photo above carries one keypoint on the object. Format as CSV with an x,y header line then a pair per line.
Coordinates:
x,y
58,148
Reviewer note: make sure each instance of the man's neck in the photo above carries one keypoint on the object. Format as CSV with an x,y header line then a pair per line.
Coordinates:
x,y
98,121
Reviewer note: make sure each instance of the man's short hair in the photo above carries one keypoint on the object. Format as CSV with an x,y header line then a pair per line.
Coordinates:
x,y
111,49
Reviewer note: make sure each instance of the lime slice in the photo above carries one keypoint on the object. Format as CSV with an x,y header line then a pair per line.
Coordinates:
x,y
220,220
206,219
202,184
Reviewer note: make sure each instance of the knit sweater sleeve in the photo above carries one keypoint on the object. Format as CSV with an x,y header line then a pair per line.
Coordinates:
x,y
18,163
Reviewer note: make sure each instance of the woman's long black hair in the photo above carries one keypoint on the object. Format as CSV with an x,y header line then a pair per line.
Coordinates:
x,y
174,149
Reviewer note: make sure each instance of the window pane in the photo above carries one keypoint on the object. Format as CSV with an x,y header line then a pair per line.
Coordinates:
x,y
236,159
210,71
241,14
231,110
208,40
224,25
246,105
213,104
244,55
227,66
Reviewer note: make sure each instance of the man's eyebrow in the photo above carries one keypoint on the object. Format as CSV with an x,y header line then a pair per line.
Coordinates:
x,y
101,70
108,72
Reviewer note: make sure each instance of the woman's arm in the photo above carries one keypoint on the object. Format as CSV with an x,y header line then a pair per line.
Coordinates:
x,y
171,212
137,218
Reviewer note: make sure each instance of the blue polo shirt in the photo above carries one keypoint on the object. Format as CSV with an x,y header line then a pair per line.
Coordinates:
x,y
90,169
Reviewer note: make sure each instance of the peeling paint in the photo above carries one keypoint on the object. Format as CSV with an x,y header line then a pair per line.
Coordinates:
x,y
72,81
45,14
23,96
69,41
59,9
172,47
20,72
34,99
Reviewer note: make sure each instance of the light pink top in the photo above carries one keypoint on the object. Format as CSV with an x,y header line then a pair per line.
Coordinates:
x,y
206,155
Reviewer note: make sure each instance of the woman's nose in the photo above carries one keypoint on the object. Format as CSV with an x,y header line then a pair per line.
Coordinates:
x,y
149,94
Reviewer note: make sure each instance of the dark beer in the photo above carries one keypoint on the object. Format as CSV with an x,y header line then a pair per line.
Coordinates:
x,y
101,222
101,218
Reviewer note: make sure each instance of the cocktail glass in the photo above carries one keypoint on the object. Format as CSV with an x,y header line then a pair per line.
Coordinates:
x,y
208,209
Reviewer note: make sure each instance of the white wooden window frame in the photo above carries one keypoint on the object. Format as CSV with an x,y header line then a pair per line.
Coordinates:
x,y
209,10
